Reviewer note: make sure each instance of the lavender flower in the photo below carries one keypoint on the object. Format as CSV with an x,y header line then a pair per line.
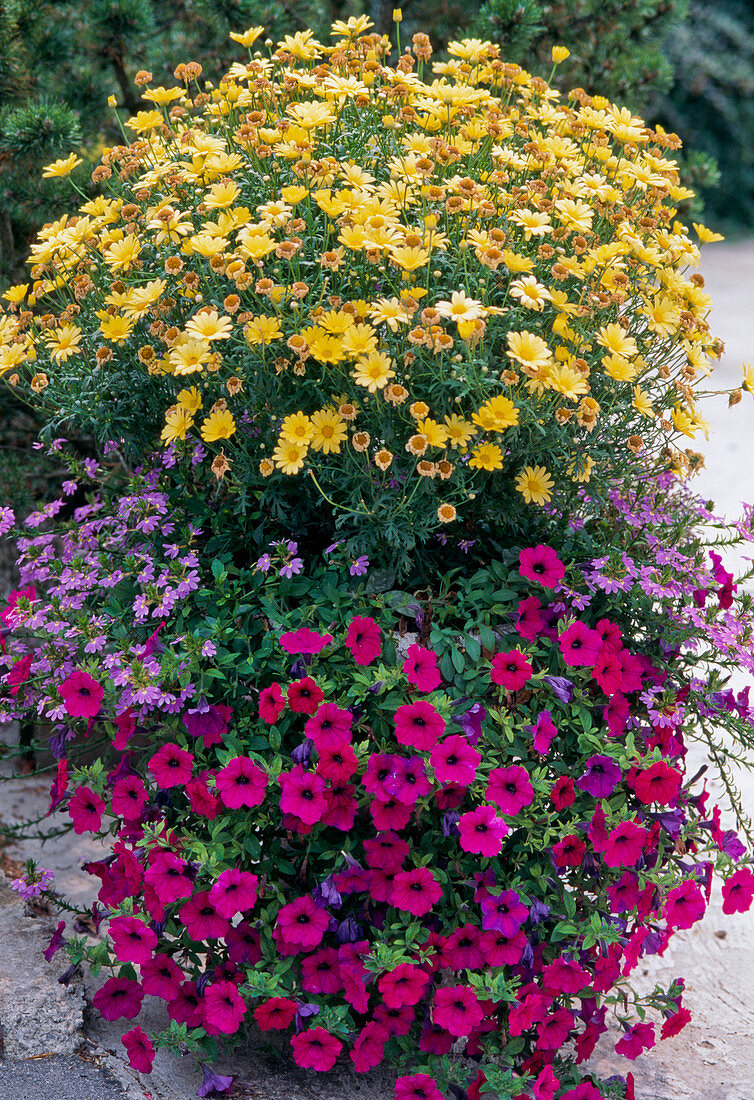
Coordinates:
x,y
359,567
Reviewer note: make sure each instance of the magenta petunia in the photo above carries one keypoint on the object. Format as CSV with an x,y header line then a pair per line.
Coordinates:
x,y
140,1050
553,1031
417,1086
542,565
416,891
304,696
19,673
82,696
275,1014
271,703
420,668
503,912
738,891
625,845
364,640
418,725
316,1049
337,763
241,783
330,725
168,875
408,780
210,724
580,645
482,832
510,789
304,641
302,794
129,797
405,984
201,920
85,808
637,1039
563,793
301,924
132,940
186,1006
161,977
222,1009
119,998
510,670
369,1047
531,619
234,892
543,731
455,761
320,973
684,905
456,1008
171,766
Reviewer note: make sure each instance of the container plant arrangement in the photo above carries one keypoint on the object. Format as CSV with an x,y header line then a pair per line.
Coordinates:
x,y
385,601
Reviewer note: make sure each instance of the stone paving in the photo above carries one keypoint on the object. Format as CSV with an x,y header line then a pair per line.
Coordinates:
x,y
54,1049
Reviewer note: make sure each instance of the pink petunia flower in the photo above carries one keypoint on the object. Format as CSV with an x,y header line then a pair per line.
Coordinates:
x,y
140,1050
580,645
82,696
303,794
304,640
553,1031
563,793
658,783
161,977
511,670
119,998
738,891
364,640
417,1086
304,696
420,668
337,763
416,891
531,620
329,726
510,789
316,1049
132,940
542,565
405,984
241,783
499,949
504,912
418,725
222,1009
482,832
234,892
19,674
301,924
369,1048
275,1014
171,766
637,1039
201,920
543,731
129,797
186,1006
85,809
456,1008
167,875
684,905
455,761
320,972
271,703
625,845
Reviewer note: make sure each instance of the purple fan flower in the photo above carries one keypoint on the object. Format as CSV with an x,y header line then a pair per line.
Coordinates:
x,y
601,777
359,567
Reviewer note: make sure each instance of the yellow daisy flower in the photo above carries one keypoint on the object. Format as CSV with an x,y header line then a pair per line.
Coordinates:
x,y
289,456
373,371
178,420
535,484
297,428
329,431
488,457
218,425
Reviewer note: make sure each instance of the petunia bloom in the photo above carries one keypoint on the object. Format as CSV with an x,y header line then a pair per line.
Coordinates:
x,y
304,640
316,1049
364,640
420,668
542,565
511,670
140,1050
82,696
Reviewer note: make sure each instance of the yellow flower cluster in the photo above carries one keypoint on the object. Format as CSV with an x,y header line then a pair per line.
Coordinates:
x,y
428,277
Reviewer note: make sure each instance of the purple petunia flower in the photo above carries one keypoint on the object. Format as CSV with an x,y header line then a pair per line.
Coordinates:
x,y
601,777
471,722
561,687
213,1082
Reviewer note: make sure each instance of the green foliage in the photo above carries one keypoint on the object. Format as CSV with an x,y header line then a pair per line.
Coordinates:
x,y
711,104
